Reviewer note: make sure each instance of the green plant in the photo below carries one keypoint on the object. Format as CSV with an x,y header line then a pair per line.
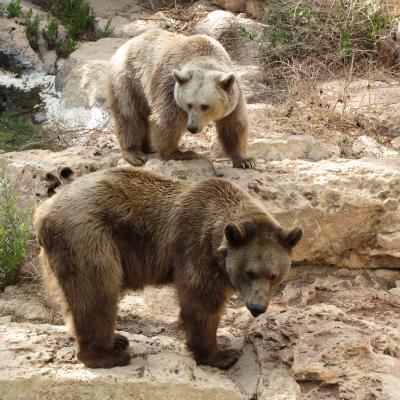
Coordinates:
x,y
106,31
76,15
14,8
64,47
50,33
243,32
15,231
2,11
321,37
32,29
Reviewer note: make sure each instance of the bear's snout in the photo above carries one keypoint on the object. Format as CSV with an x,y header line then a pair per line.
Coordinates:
x,y
193,128
256,309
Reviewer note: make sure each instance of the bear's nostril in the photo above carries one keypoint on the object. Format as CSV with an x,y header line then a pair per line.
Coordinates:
x,y
192,128
256,310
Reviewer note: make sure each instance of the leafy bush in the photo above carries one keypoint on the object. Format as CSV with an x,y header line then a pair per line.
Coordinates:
x,y
50,33
2,11
14,8
76,15
64,47
15,231
32,29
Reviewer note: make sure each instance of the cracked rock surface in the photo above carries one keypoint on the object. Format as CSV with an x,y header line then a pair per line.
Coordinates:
x,y
328,334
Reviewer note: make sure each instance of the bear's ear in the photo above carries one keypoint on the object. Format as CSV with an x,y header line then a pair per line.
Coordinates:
x,y
235,234
180,77
227,81
292,237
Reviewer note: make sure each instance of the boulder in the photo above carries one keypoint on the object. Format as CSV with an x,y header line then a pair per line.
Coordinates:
x,y
16,55
82,78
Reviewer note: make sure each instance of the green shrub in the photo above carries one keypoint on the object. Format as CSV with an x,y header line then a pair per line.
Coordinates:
x,y
2,11
77,17
64,47
32,29
50,33
15,231
14,8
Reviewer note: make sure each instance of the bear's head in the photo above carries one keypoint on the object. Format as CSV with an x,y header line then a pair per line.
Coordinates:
x,y
257,258
205,95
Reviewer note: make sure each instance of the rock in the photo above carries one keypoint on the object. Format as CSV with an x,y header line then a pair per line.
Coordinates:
x,y
365,146
290,147
39,362
135,28
82,78
219,24
348,208
395,291
232,5
27,169
50,62
396,143
16,55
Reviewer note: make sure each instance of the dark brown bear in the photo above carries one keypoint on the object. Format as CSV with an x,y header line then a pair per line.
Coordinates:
x,y
124,228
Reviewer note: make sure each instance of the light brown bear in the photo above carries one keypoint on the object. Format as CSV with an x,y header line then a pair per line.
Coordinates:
x,y
162,83
125,228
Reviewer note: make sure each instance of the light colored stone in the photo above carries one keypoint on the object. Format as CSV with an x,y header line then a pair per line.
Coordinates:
x,y
82,79
220,23
160,376
395,291
287,147
17,54
135,28
27,169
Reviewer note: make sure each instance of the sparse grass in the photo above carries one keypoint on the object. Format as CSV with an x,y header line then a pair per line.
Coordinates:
x,y
106,31
50,33
64,47
77,17
32,29
325,37
15,231
14,9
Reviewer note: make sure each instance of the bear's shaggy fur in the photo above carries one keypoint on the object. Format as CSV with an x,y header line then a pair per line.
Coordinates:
x,y
124,228
161,83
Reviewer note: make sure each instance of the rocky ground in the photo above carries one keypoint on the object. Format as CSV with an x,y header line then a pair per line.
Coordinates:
x,y
333,329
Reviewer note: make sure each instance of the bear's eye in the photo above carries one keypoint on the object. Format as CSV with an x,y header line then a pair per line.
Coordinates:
x,y
251,275
190,105
205,107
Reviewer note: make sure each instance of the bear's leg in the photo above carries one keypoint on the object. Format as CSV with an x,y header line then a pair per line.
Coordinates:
x,y
131,112
98,345
90,290
166,133
200,324
233,134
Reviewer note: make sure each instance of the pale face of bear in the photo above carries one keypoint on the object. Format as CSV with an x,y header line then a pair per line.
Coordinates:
x,y
205,96
257,264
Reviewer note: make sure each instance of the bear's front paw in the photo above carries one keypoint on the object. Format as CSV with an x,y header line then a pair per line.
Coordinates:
x,y
245,163
223,359
136,158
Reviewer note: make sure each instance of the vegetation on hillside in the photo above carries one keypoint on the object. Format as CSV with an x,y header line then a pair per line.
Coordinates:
x,y
15,230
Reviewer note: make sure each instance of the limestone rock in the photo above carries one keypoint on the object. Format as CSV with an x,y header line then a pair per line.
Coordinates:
x,y
275,147
27,169
82,78
16,55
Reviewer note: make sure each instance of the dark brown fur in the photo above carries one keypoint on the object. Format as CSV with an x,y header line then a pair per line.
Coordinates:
x,y
124,229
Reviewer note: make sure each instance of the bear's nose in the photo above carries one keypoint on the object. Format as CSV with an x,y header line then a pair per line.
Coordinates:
x,y
256,309
192,128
